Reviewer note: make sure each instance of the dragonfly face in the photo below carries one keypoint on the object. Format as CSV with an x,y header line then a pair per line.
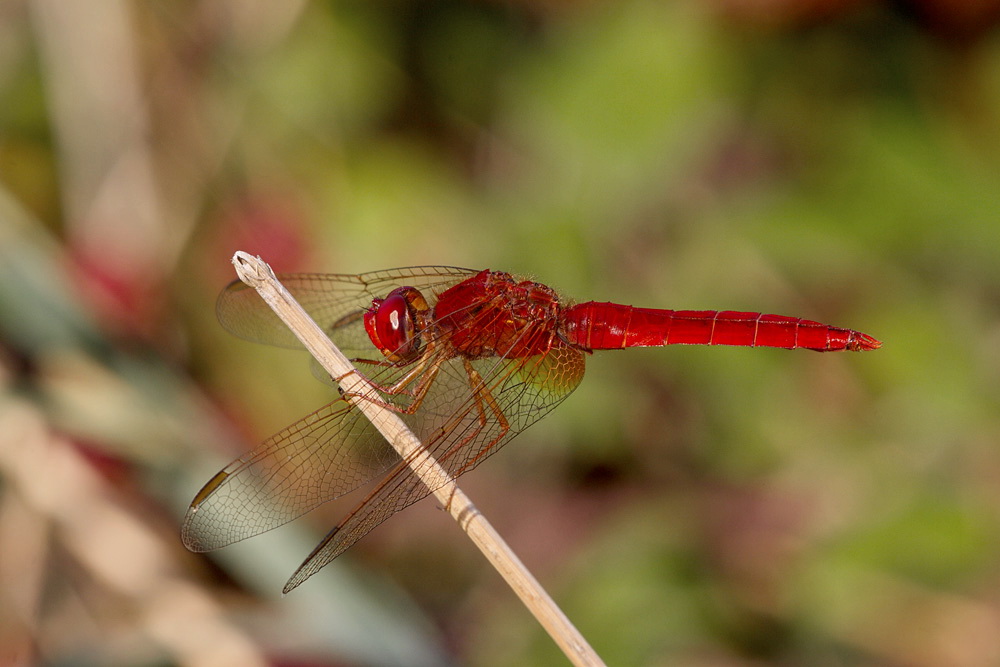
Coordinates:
x,y
393,324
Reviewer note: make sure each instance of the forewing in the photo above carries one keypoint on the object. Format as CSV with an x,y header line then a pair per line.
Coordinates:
x,y
515,394
329,298
329,452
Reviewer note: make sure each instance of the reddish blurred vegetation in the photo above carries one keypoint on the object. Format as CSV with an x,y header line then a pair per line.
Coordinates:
x,y
836,160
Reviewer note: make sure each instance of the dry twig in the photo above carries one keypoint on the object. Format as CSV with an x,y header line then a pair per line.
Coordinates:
x,y
257,274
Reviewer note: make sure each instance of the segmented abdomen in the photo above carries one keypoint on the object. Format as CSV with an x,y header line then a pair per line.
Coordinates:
x,y
607,326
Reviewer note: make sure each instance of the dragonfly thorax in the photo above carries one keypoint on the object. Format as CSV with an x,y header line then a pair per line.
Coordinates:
x,y
495,315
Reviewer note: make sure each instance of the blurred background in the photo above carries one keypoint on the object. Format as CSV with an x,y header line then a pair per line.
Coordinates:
x,y
831,159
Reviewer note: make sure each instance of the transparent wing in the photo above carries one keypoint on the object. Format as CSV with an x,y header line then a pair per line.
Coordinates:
x,y
514,394
320,457
329,298
470,409
325,454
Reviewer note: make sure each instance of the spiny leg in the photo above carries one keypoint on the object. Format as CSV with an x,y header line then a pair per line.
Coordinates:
x,y
424,372
481,396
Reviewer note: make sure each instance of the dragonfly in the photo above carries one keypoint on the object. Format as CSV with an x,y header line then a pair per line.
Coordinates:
x,y
467,358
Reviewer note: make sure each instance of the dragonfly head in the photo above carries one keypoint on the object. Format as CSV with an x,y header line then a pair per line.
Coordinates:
x,y
393,323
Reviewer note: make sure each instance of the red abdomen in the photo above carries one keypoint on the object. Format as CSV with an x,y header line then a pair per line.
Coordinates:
x,y
607,326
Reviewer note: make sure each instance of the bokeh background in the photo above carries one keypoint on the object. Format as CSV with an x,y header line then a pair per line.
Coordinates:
x,y
832,159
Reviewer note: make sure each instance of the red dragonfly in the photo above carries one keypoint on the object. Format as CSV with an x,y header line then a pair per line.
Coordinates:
x,y
468,358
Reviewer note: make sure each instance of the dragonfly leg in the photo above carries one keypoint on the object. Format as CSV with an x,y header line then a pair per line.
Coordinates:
x,y
398,387
423,372
482,395
482,398
372,362
349,318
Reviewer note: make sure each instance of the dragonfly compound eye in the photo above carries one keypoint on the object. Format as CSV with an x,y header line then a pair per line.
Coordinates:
x,y
392,328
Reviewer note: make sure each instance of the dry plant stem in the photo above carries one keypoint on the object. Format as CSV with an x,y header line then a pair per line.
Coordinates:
x,y
257,274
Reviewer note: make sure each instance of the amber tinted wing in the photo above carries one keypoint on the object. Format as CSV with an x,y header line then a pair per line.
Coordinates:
x,y
515,393
327,453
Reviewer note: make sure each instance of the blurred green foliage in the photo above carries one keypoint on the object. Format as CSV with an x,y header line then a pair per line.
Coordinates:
x,y
836,161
